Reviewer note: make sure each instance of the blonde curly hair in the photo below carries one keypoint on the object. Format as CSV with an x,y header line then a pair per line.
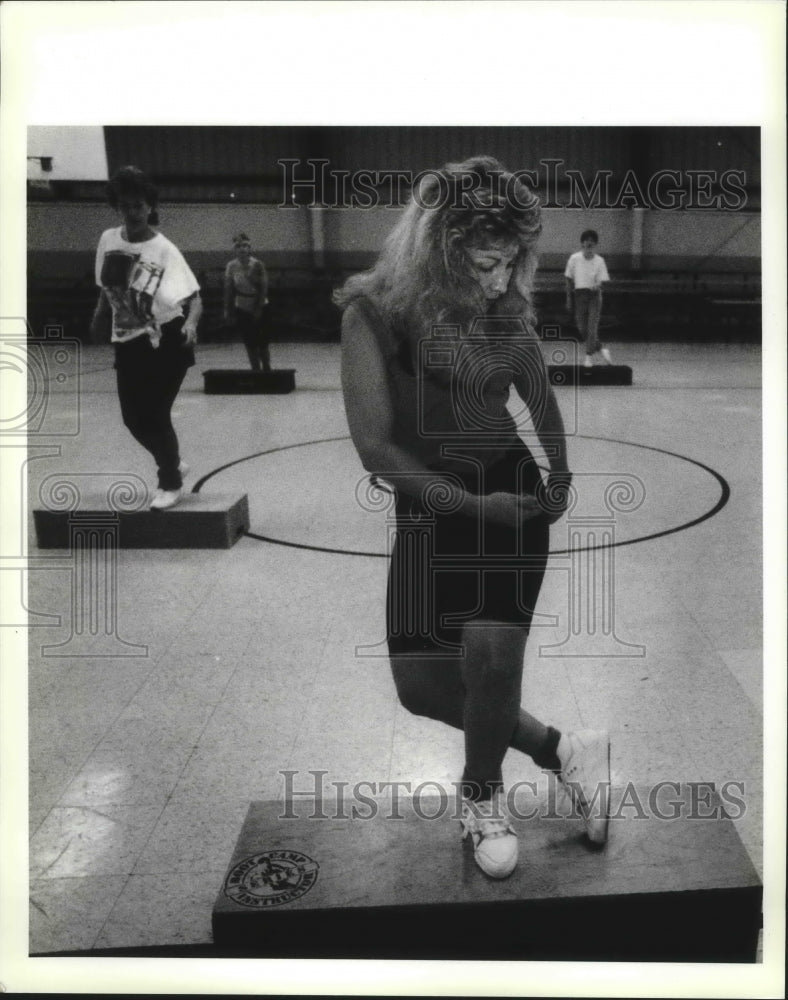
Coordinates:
x,y
423,274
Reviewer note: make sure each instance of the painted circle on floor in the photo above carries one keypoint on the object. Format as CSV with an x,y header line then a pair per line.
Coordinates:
x,y
315,495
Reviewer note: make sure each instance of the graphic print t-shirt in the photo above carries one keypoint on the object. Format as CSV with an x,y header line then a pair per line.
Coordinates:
x,y
145,284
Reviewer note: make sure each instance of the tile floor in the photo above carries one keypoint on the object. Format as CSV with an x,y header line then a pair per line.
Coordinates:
x,y
227,667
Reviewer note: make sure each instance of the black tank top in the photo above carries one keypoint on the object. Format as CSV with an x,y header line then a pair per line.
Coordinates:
x,y
449,392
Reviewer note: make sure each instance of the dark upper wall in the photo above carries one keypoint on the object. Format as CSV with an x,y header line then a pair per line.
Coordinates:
x,y
203,162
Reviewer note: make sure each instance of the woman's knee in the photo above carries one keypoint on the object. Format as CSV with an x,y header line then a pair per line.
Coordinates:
x,y
494,653
133,421
413,700
425,688
140,423
414,697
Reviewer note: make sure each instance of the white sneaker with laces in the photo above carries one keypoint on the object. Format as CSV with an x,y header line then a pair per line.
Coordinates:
x,y
163,499
606,355
494,840
585,776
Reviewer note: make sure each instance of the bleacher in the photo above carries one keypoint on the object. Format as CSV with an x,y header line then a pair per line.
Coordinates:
x,y
658,306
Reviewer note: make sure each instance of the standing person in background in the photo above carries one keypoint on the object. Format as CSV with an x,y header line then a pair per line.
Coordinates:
x,y
585,272
153,299
245,295
463,257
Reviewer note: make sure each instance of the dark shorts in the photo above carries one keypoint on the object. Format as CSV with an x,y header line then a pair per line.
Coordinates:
x,y
448,570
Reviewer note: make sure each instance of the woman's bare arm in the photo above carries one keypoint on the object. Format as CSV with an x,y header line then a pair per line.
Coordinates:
x,y
370,417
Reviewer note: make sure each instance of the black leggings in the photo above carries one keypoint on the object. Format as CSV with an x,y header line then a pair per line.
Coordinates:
x,y
149,380
255,340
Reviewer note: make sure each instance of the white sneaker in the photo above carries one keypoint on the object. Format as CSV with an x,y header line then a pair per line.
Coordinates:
x,y
163,499
494,840
585,775
184,470
588,363
606,355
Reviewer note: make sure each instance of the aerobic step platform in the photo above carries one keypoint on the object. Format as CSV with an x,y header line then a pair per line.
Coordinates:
x,y
215,521
596,375
407,887
243,381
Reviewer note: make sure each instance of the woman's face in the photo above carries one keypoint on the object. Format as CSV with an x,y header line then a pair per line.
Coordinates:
x,y
492,268
134,211
244,251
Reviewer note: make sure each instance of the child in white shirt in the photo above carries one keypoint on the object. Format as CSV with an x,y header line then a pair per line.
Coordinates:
x,y
585,272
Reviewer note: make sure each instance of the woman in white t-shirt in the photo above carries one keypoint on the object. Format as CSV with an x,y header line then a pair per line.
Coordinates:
x,y
153,299
585,272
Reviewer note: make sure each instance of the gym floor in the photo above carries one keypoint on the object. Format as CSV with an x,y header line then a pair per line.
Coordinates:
x,y
225,667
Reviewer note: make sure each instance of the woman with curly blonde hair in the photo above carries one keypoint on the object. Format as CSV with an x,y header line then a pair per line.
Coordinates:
x,y
434,336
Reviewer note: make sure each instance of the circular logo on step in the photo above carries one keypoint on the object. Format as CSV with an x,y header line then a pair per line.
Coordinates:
x,y
271,878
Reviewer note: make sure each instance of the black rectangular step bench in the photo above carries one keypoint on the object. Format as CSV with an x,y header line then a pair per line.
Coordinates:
x,y
211,521
596,375
243,381
312,881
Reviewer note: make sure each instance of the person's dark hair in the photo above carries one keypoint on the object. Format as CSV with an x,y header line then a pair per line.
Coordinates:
x,y
589,234
240,238
131,182
423,275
